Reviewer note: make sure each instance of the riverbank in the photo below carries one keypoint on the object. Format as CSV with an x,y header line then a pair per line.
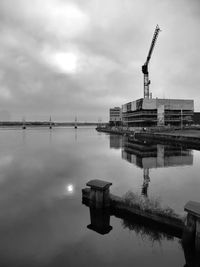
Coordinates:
x,y
187,136
102,205
119,207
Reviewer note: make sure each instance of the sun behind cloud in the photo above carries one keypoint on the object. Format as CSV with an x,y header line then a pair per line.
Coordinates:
x,y
65,61
61,60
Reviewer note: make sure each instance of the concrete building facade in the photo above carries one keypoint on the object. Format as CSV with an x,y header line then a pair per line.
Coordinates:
x,y
146,112
115,116
196,118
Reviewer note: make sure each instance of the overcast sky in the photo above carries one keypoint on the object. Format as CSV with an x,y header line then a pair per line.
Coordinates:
x,y
81,57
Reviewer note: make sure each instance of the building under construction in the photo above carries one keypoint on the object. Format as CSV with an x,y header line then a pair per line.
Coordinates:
x,y
115,116
150,111
146,112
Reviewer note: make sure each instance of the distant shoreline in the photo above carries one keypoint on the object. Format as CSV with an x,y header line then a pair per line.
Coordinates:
x,y
45,124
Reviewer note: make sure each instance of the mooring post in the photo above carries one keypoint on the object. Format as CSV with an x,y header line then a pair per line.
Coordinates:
x,y
192,229
99,193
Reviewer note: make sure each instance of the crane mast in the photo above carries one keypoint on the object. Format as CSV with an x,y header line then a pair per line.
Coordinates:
x,y
145,66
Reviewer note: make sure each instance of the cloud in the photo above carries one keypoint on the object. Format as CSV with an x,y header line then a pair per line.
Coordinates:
x,y
64,58
62,61
5,93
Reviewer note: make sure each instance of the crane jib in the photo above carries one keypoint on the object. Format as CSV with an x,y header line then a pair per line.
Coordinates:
x,y
155,36
145,66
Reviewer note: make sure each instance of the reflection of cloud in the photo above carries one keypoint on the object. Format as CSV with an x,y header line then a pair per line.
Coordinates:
x,y
5,115
5,160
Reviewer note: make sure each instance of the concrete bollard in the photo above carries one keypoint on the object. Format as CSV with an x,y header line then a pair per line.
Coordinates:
x,y
99,193
192,228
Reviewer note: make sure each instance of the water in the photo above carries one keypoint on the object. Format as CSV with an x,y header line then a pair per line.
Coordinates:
x,y
43,221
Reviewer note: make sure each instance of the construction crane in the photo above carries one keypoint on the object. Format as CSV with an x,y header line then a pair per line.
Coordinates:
x,y
145,66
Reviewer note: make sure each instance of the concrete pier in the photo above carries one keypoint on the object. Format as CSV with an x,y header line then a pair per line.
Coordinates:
x,y
102,205
192,228
99,197
99,193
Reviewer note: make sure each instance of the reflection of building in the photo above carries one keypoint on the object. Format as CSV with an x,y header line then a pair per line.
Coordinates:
x,y
115,116
155,111
145,182
148,155
115,141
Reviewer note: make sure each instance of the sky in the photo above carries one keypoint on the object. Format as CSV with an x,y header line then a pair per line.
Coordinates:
x,y
63,58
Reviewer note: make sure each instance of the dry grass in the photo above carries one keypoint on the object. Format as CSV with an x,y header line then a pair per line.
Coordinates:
x,y
151,205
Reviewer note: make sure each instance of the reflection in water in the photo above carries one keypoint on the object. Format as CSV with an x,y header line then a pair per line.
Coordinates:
x,y
148,155
75,134
192,257
115,141
44,224
146,182
147,230
100,221
24,137
69,189
50,136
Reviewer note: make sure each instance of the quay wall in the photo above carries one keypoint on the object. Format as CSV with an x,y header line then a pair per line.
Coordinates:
x,y
102,204
172,136
119,208
169,138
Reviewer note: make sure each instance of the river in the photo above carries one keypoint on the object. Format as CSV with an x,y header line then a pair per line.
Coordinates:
x,y
43,221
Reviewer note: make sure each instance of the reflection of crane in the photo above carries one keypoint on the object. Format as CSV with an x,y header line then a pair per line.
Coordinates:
x,y
75,124
145,66
50,123
23,124
99,122
146,182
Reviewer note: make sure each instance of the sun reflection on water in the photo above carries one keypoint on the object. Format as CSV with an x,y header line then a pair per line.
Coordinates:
x,y
70,189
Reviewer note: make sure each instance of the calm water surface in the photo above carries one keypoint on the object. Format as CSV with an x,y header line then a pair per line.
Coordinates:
x,y
43,221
